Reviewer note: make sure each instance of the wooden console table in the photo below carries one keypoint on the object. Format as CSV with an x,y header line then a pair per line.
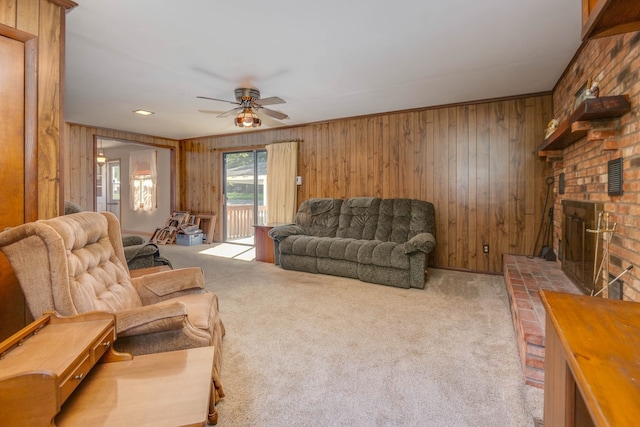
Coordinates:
x,y
592,367
65,369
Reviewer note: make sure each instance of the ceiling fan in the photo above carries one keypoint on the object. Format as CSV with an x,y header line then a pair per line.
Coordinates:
x,y
249,103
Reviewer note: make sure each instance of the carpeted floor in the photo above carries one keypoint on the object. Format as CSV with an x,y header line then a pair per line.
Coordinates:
x,y
307,350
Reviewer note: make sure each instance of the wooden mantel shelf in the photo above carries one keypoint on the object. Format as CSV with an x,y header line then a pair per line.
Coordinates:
x,y
577,125
602,18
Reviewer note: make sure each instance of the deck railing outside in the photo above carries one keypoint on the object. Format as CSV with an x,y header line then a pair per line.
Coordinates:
x,y
240,220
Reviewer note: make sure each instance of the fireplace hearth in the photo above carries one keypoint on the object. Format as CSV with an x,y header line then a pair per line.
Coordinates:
x,y
581,256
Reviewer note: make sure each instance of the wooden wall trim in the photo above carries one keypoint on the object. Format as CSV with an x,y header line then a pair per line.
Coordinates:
x,y
100,133
49,109
15,34
30,130
65,4
131,136
61,127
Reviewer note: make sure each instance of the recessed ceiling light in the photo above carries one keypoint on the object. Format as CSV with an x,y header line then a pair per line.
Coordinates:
x,y
143,112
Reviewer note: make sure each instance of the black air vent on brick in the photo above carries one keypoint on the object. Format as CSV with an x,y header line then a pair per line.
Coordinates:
x,y
561,184
614,187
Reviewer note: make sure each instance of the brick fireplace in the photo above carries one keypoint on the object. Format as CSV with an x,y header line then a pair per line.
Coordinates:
x,y
580,245
583,164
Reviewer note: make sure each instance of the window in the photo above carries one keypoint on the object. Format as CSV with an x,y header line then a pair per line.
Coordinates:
x,y
143,180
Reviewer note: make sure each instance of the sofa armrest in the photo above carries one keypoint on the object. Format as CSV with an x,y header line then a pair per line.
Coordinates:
x,y
151,319
281,232
156,287
131,240
134,251
423,242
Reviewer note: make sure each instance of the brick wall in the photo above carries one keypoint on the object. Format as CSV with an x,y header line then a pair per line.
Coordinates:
x,y
614,62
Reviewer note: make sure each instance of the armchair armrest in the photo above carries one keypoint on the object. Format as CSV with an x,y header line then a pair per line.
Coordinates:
x,y
423,242
156,287
281,232
150,319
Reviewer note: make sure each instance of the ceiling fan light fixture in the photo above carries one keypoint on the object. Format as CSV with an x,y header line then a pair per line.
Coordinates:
x,y
248,119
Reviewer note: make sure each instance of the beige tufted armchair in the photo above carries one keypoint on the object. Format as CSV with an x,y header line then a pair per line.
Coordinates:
x,y
75,264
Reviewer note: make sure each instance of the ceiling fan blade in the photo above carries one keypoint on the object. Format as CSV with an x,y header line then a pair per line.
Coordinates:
x,y
273,113
216,99
230,112
272,100
216,112
269,122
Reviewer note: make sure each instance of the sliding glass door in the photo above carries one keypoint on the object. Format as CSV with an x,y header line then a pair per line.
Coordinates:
x,y
245,177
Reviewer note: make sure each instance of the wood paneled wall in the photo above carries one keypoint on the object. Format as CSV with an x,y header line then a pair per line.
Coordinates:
x,y
79,159
46,21
475,162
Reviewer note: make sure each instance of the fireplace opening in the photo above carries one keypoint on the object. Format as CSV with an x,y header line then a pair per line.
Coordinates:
x,y
616,289
581,255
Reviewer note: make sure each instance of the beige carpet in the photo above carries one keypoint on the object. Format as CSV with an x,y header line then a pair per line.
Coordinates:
x,y
308,350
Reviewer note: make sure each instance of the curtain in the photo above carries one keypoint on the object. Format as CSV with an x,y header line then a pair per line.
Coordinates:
x,y
282,163
143,180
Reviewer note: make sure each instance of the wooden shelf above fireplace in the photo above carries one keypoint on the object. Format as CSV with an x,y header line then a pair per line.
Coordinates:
x,y
608,17
578,124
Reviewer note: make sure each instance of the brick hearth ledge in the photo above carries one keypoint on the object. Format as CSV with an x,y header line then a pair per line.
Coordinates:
x,y
524,276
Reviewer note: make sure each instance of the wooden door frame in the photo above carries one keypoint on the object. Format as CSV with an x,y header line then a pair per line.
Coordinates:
x,y
30,118
223,184
172,161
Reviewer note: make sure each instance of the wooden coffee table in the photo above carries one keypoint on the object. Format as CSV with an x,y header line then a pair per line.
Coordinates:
x,y
162,389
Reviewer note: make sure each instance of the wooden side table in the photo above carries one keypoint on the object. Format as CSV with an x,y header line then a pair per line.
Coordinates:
x,y
65,368
591,361
264,243
169,388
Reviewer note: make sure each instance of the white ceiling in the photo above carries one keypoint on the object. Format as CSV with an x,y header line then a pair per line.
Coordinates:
x,y
327,59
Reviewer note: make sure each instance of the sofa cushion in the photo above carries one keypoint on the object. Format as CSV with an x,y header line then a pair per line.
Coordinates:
x,y
301,245
299,263
383,254
401,219
385,276
319,217
359,218
338,267
346,249
333,248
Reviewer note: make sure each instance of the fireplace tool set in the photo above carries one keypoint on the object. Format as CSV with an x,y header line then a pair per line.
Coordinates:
x,y
607,233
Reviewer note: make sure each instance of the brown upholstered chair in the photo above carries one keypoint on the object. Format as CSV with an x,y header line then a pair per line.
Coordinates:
x,y
137,252
75,263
